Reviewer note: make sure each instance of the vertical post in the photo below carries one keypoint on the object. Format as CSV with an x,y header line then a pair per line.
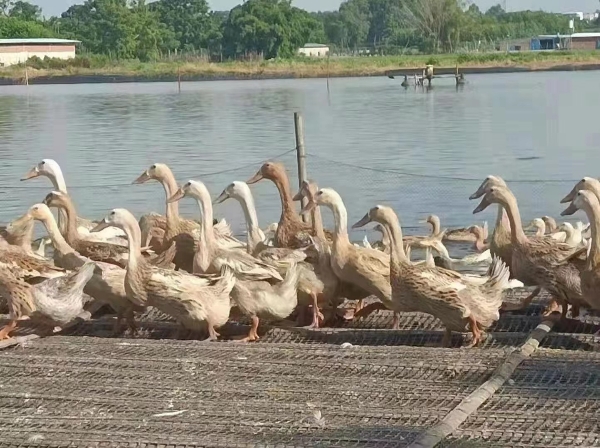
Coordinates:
x,y
179,78
300,154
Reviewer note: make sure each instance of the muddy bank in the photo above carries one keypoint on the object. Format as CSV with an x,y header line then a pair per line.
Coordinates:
x,y
107,78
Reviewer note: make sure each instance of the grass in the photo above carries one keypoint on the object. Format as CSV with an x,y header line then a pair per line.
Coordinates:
x,y
299,67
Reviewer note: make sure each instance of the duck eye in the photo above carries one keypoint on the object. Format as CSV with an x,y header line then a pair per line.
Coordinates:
x,y
188,184
153,167
43,162
112,213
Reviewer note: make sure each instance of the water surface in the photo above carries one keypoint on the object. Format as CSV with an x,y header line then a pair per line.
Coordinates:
x,y
537,126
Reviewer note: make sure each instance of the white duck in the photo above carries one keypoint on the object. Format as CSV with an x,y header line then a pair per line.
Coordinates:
x,y
211,256
240,191
51,169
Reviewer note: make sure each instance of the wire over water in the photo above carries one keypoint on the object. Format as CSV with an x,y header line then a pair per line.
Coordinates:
x,y
126,184
429,176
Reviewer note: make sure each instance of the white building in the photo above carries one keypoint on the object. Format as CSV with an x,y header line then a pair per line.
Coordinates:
x,y
314,50
15,51
575,15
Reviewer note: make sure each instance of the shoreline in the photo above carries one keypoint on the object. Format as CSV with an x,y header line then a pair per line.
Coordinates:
x,y
67,78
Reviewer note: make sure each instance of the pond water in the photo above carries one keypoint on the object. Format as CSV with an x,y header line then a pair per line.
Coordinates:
x,y
419,151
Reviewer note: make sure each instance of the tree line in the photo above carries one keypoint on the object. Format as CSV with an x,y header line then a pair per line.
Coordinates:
x,y
138,29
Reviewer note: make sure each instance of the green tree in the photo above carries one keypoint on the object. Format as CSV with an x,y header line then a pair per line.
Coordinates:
x,y
189,20
12,27
5,7
117,28
356,16
25,11
495,11
269,27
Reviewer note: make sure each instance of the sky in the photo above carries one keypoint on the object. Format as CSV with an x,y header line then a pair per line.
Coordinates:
x,y
55,7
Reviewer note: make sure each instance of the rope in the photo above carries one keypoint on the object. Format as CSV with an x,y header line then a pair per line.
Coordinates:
x,y
127,184
429,176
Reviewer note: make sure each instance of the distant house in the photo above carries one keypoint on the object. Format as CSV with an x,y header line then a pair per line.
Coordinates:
x,y
585,41
15,51
575,41
314,50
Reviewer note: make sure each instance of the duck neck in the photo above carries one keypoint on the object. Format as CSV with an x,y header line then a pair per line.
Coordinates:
x,y
549,225
541,229
58,241
340,219
594,186
385,237
58,181
21,233
569,232
206,241
517,234
480,239
317,223
254,238
134,238
70,233
287,203
593,212
170,185
436,226
207,220
398,255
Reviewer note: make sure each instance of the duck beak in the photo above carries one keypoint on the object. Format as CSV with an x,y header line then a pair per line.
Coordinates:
x,y
568,198
100,226
480,191
33,172
222,197
179,194
570,210
258,176
298,196
143,178
423,221
363,222
47,200
310,205
485,203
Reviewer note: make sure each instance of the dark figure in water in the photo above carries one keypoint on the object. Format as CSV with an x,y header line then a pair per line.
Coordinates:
x,y
460,79
405,82
428,73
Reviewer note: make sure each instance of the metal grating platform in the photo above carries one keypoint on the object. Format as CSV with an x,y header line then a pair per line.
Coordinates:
x,y
361,385
552,400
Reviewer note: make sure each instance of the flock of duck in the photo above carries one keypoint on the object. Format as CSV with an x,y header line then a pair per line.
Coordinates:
x,y
198,273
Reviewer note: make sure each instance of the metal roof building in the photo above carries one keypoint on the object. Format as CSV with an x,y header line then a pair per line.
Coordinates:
x,y
16,51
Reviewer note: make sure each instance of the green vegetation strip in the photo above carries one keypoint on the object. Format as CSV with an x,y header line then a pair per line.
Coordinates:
x,y
295,68
434,435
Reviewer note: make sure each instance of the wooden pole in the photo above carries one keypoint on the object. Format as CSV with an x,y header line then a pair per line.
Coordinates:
x,y
469,405
328,92
179,78
300,154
